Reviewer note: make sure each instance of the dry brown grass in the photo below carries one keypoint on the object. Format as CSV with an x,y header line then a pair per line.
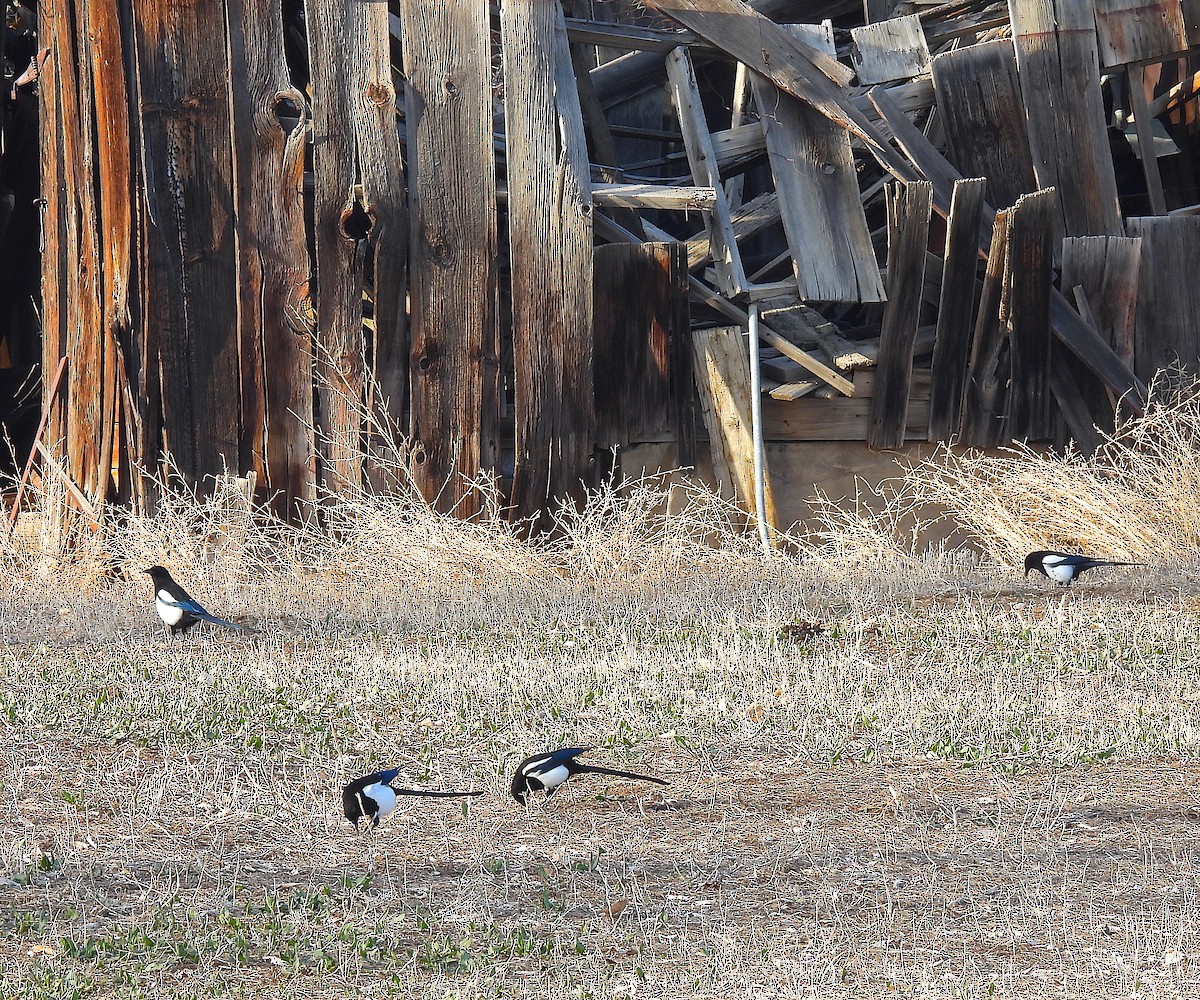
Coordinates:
x,y
891,772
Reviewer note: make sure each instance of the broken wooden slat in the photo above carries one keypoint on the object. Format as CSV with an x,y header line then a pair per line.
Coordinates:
x,y
626,36
752,217
1136,81
453,284
979,97
722,376
909,207
686,95
839,419
272,255
894,49
1132,30
191,301
985,395
641,311
651,196
955,308
1025,314
1167,332
1060,77
550,237
1072,406
815,178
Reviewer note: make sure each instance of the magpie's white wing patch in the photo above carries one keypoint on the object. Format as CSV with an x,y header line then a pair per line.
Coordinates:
x,y
1058,568
167,609
383,797
551,778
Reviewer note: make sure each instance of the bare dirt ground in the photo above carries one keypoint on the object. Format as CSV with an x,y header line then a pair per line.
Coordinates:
x,y
943,788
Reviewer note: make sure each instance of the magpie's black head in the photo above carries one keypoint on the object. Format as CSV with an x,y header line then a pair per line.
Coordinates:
x,y
1033,561
352,804
519,787
158,574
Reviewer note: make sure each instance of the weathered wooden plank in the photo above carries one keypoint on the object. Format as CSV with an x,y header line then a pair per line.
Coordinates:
x,y
817,184
909,206
979,98
685,94
1132,30
1025,314
722,370
453,283
894,49
550,234
1167,307
192,297
641,311
1136,80
919,384
752,217
839,419
272,261
986,392
955,308
1059,72
339,350
1107,267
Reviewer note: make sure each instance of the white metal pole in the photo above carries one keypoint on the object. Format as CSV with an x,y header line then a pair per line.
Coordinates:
x,y
760,484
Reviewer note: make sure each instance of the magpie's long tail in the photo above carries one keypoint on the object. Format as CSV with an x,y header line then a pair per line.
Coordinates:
x,y
237,627
620,774
1105,562
433,795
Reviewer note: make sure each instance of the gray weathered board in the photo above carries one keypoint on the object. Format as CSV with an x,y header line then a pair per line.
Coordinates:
x,y
1167,307
980,107
1068,135
889,50
1134,30
453,295
817,184
550,238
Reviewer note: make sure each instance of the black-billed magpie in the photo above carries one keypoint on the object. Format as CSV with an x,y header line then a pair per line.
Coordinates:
x,y
547,771
374,797
178,610
1063,568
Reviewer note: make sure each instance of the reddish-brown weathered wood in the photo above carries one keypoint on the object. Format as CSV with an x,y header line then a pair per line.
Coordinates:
x,y
550,236
339,361
986,393
451,160
641,312
909,206
191,297
272,260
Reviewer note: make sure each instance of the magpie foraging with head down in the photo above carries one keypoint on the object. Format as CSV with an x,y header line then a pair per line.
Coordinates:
x,y
1063,568
547,771
374,797
179,610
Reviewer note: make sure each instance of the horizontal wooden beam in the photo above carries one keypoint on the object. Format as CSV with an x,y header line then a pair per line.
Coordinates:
x,y
678,199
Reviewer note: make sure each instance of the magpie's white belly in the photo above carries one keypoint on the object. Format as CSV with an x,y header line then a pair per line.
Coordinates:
x,y
384,798
552,778
1059,572
167,611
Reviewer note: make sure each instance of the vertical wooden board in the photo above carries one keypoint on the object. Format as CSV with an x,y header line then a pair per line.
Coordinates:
x,y
909,206
1143,120
817,184
367,64
979,97
1025,314
894,49
955,308
192,299
1133,30
986,394
274,331
1059,72
1107,267
550,236
1167,307
1191,20
339,361
453,281
637,296
722,368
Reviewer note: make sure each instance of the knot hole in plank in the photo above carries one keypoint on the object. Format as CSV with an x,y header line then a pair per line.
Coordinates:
x,y
380,95
288,109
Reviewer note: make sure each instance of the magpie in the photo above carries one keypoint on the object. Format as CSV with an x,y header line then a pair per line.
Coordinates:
x,y
374,797
547,771
178,610
1063,568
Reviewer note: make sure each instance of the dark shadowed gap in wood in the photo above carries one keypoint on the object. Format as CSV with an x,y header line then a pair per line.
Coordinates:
x,y
550,237
985,399
455,367
1025,314
956,308
909,206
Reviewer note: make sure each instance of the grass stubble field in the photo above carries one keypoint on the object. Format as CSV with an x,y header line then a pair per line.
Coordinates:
x,y
889,774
